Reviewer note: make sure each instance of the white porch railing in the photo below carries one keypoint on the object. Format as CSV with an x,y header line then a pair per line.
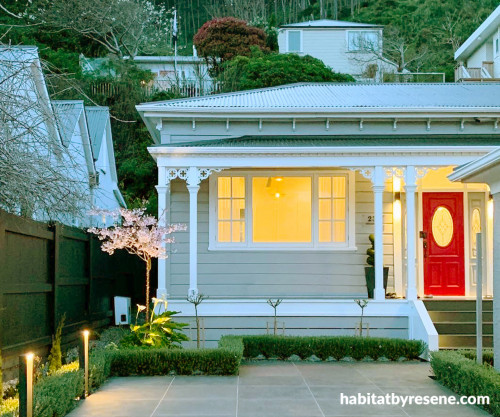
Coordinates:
x,y
483,73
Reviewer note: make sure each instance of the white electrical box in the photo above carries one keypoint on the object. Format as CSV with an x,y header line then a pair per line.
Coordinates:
x,y
122,310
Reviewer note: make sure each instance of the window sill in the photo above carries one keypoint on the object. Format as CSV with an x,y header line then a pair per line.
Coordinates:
x,y
213,248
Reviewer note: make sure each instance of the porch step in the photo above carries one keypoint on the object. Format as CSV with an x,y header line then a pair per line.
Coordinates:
x,y
455,322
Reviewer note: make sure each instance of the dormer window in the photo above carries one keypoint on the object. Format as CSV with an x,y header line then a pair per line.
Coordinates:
x,y
363,41
294,40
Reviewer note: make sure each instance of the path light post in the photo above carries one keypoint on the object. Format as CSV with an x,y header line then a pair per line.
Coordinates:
x,y
26,385
84,360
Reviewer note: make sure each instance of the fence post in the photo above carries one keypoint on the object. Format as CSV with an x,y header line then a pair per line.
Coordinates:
x,y
3,279
57,272
91,275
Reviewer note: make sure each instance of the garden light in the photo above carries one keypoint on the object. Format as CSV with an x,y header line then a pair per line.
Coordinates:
x,y
26,385
84,361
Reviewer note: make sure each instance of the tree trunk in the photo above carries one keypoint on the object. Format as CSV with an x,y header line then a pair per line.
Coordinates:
x,y
148,270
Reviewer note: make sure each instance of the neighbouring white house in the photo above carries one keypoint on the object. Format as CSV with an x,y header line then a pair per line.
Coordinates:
x,y
281,188
478,58
486,170
106,193
185,74
347,47
86,133
76,139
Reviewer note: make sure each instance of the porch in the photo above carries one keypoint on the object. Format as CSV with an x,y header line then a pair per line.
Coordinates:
x,y
317,280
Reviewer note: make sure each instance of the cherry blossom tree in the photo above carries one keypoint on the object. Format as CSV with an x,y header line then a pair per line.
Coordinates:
x,y
139,234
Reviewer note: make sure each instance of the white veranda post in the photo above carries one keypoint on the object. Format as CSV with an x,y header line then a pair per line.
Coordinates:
x,y
378,190
410,188
163,189
193,185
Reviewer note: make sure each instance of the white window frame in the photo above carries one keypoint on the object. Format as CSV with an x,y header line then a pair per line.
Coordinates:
x,y
314,245
362,50
301,32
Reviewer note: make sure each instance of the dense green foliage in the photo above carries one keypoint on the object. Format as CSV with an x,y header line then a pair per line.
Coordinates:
x,y
465,377
268,70
336,347
488,356
221,361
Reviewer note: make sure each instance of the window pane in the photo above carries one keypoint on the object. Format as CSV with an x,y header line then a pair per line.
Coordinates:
x,y
353,41
224,187
225,209
294,41
339,209
238,190
238,232
339,232
224,232
325,232
281,209
325,187
325,209
238,209
339,187
370,41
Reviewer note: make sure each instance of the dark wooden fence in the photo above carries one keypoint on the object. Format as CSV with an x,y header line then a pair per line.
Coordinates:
x,y
50,270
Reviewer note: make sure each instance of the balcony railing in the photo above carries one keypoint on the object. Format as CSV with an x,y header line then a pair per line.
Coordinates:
x,y
483,73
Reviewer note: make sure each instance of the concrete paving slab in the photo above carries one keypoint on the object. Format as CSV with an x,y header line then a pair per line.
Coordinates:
x,y
278,389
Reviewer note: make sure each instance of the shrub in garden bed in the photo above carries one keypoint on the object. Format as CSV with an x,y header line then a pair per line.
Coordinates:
x,y
465,377
220,361
471,354
336,347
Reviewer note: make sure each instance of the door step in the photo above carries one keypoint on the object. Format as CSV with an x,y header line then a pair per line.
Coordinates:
x,y
455,322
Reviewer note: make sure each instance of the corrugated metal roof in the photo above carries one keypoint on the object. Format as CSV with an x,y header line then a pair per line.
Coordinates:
x,y
67,114
340,141
97,119
328,23
341,96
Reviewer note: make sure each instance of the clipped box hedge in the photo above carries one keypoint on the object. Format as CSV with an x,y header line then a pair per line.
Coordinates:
x,y
222,361
336,347
465,377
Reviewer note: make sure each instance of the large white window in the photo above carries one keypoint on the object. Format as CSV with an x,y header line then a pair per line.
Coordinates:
x,y
294,41
282,210
363,41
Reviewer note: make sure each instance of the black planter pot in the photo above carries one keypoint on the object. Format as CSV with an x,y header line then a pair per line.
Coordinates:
x,y
370,279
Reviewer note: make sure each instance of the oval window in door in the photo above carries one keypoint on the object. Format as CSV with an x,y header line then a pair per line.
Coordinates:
x,y
442,226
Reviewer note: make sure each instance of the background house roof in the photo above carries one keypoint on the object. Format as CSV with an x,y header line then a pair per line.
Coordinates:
x,y
328,23
342,96
97,120
480,35
341,141
67,113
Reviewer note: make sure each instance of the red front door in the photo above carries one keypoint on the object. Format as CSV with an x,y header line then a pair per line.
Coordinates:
x,y
443,240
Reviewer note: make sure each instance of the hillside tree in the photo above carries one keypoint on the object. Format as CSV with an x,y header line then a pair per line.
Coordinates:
x,y
221,39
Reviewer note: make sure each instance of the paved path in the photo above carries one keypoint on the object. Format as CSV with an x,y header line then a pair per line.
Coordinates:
x,y
266,389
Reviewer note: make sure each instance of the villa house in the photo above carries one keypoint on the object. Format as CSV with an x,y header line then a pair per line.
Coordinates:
x,y
76,139
346,47
281,188
479,56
